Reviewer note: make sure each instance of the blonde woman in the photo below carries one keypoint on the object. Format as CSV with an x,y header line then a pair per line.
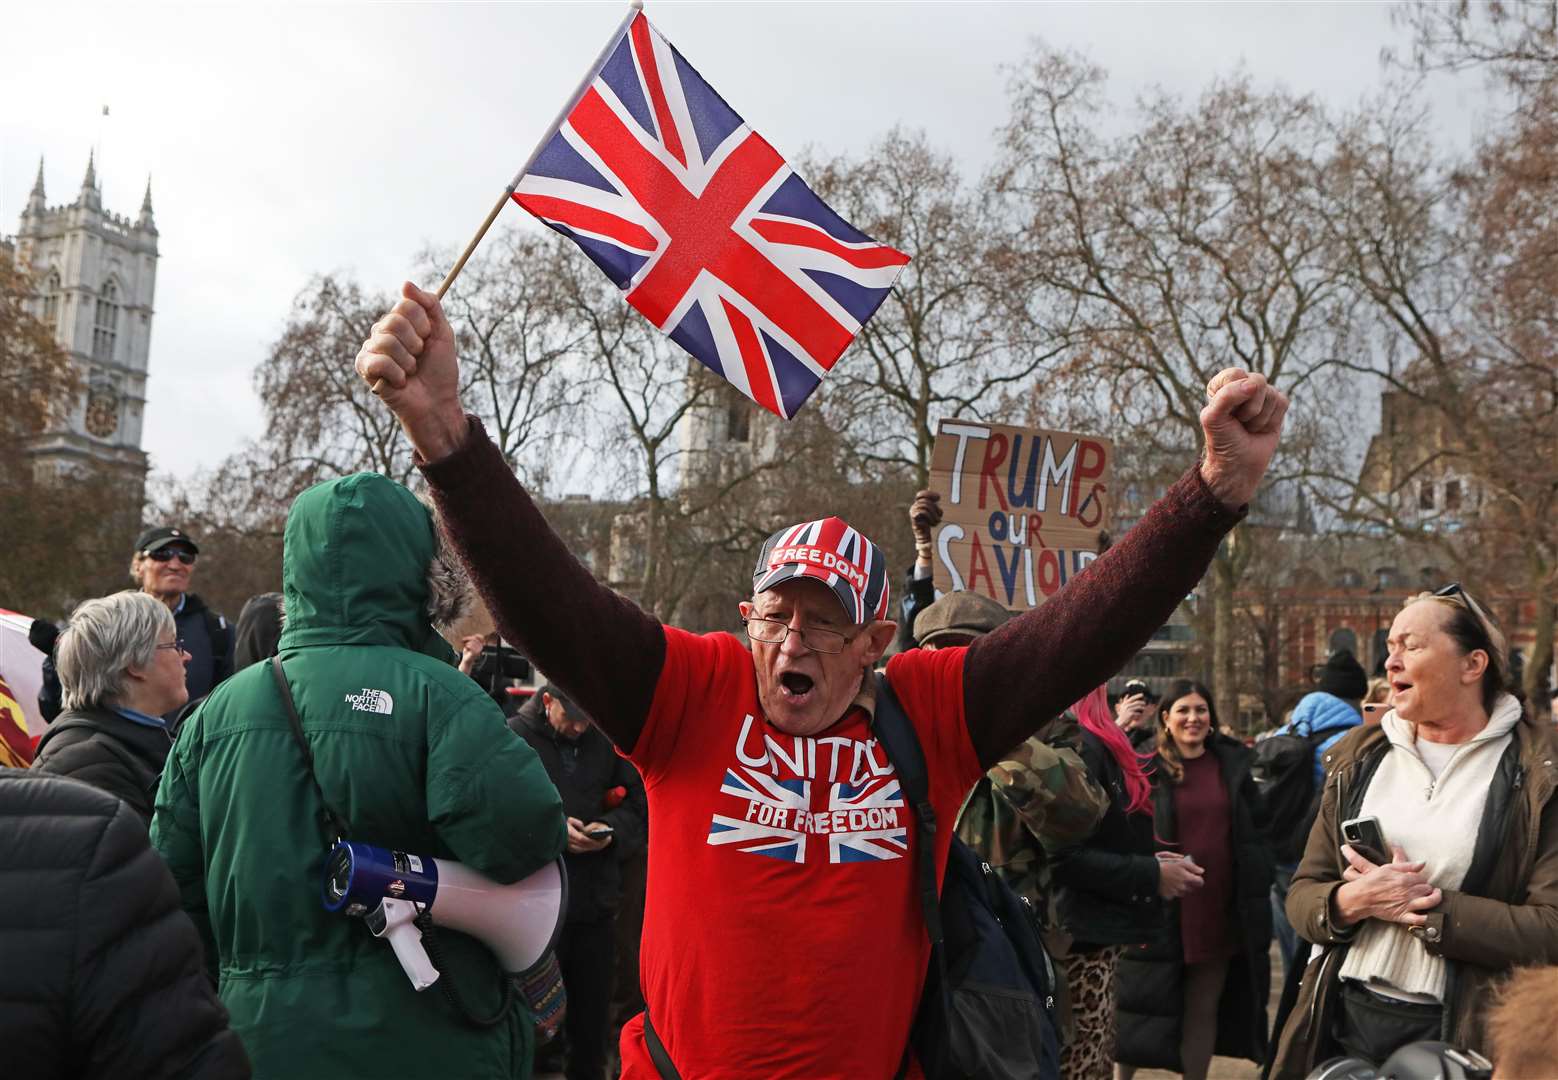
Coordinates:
x,y
1460,783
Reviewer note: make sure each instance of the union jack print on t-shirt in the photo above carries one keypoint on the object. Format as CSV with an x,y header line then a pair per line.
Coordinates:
x,y
700,222
785,794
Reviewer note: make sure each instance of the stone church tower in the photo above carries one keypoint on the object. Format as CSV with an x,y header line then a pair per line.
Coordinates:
x,y
97,274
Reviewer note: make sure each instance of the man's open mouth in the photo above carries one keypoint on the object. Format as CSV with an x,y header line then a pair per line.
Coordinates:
x,y
795,685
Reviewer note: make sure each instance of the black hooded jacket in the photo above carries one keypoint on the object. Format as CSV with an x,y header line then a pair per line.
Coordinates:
x,y
101,973
584,771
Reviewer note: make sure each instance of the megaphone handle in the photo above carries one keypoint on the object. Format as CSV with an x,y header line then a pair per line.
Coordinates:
x,y
404,937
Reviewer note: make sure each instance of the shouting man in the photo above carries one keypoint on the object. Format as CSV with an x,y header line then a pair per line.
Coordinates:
x,y
782,931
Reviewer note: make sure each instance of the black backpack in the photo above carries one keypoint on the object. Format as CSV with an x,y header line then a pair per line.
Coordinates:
x,y
988,1007
1284,772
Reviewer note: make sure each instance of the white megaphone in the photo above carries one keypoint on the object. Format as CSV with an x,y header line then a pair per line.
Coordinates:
x,y
390,889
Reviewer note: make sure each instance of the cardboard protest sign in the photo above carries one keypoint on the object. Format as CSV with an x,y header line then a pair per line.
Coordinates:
x,y
1021,507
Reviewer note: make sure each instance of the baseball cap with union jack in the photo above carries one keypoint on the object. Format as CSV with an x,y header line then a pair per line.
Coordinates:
x,y
833,553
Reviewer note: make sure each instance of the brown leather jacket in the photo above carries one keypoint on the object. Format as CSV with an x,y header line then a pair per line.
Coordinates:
x,y
1512,919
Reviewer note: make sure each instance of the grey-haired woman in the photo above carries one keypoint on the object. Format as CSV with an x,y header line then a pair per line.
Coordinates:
x,y
122,668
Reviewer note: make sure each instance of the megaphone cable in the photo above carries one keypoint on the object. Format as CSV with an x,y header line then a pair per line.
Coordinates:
x,y
435,953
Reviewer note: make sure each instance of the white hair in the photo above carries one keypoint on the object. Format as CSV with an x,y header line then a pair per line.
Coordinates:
x,y
106,636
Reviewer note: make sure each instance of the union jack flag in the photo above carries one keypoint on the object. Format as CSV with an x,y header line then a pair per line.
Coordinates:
x,y
700,222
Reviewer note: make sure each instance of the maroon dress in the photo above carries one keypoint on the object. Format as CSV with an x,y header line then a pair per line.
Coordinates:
x,y
1202,818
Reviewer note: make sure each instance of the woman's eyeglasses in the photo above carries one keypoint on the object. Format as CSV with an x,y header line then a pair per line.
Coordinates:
x,y
167,554
177,644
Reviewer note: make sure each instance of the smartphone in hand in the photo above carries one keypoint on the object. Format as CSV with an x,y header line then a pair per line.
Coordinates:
x,y
600,832
1365,837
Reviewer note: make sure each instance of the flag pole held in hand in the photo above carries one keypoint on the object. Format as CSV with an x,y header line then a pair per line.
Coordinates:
x,y
634,7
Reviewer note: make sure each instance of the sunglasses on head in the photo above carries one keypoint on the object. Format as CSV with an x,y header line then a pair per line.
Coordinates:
x,y
1453,591
165,554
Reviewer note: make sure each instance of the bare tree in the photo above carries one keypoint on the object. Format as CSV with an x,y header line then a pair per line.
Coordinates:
x,y
38,383
321,421
941,344
646,390
1461,268
238,520
520,344
1516,40
1190,243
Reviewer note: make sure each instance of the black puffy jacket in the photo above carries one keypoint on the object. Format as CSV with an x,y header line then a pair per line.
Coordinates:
x,y
1106,889
113,754
101,973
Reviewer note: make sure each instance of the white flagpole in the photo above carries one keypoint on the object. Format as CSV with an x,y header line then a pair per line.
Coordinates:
x,y
634,7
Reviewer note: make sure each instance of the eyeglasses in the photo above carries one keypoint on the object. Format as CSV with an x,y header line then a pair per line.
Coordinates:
x,y
165,554
773,632
177,643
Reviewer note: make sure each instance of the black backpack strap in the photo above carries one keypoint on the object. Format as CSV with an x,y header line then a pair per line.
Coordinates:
x,y
895,731
334,823
657,1052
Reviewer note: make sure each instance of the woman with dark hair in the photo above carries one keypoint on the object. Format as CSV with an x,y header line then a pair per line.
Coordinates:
x,y
1109,890
1459,782
1202,986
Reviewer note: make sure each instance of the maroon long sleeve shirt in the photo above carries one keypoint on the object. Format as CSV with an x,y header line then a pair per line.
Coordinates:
x,y
608,653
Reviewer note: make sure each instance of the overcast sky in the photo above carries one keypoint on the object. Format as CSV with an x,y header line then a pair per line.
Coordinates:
x,y
287,140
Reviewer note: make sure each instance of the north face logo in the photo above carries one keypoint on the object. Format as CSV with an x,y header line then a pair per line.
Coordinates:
x,y
374,701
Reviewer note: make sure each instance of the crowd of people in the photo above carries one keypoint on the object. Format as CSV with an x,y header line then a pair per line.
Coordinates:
x,y
730,817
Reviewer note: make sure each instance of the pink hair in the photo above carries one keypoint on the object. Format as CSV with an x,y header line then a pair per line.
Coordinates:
x,y
1093,713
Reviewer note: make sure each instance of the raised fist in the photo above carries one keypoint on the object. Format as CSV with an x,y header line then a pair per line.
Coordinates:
x,y
924,516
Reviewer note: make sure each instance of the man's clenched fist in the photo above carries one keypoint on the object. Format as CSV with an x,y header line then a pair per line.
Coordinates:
x,y
409,362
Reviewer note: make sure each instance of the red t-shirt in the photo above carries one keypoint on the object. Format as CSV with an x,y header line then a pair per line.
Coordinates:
x,y
782,930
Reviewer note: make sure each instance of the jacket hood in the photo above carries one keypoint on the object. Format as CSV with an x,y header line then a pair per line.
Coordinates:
x,y
1321,711
354,567
1506,714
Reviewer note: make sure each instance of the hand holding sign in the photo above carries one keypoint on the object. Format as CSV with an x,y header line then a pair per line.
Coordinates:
x,y
924,516
1242,423
409,361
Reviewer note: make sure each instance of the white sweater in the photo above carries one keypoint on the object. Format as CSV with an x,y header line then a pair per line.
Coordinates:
x,y
1436,822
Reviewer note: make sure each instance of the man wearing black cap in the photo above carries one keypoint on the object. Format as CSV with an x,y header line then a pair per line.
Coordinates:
x,y
163,565
604,800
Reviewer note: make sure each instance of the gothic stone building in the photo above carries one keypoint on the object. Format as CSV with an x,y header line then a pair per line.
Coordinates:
x,y
97,274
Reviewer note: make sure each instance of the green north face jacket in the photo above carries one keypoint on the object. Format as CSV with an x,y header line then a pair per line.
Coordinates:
x,y
410,751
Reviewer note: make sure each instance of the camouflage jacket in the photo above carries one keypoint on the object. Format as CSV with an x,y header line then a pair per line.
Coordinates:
x,y
1038,800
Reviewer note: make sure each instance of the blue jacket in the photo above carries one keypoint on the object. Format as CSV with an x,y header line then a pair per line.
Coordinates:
x,y
1319,712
